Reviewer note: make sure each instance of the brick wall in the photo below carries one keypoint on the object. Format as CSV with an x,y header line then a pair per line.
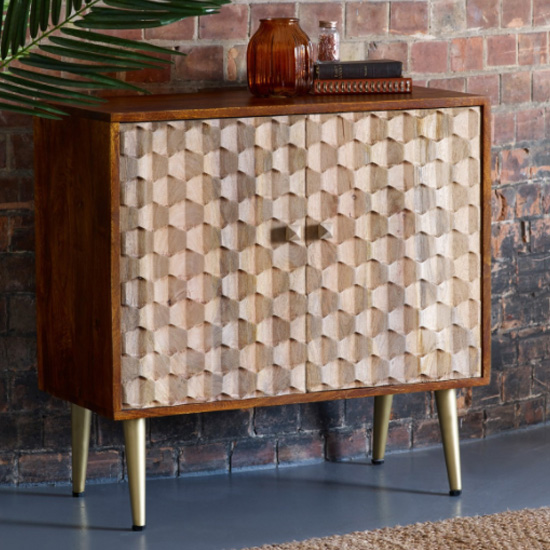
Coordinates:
x,y
495,47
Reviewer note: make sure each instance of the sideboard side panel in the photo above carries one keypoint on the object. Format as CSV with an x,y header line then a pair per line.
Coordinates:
x,y
74,231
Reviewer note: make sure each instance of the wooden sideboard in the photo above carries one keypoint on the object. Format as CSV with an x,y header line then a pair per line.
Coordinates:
x,y
213,251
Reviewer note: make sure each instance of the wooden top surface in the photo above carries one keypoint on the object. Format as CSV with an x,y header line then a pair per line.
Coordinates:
x,y
238,102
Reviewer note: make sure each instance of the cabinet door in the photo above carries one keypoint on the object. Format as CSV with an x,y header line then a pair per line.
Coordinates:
x,y
213,260
394,247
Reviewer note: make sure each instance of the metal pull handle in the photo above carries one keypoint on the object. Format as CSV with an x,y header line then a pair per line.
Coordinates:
x,y
319,232
287,233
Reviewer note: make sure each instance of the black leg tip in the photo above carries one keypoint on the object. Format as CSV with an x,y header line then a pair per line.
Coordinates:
x,y
377,461
455,493
138,527
78,495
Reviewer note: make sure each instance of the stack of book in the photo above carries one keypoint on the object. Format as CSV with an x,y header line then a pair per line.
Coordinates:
x,y
372,76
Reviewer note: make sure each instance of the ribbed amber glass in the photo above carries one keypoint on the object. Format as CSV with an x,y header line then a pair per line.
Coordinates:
x,y
279,58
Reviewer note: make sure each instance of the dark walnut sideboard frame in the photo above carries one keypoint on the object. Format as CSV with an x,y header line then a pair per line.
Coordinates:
x,y
102,330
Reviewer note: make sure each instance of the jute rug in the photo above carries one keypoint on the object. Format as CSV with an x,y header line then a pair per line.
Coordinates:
x,y
522,530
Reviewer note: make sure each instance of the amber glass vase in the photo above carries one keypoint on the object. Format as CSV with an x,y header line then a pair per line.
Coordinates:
x,y
279,57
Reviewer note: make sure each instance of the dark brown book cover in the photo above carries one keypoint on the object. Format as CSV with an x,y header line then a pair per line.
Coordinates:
x,y
369,68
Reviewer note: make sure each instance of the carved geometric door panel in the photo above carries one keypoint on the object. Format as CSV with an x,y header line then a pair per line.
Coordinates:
x,y
395,250
213,260
274,255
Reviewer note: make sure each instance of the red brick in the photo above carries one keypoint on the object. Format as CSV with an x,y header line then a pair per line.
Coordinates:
x,y
178,428
409,17
488,85
6,231
181,30
266,11
342,445
533,48
505,239
534,344
311,14
276,420
399,436
467,54
463,400
4,399
9,189
21,151
503,204
23,265
130,34
540,233
18,353
455,84
57,431
515,165
501,50
429,57
448,16
516,383
3,152
15,120
516,14
204,458
470,426
482,13
426,432
106,465
22,313
500,418
253,452
516,87
300,449
366,19
230,22
3,317
541,12
531,412
528,200
531,125
236,64
44,468
390,50
161,462
7,469
26,189
201,63
541,85
504,128
162,74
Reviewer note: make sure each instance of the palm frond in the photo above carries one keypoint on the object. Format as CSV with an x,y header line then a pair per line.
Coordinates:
x,y
40,43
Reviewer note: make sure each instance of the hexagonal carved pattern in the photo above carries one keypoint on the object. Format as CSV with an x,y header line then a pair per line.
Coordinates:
x,y
276,255
213,271
395,259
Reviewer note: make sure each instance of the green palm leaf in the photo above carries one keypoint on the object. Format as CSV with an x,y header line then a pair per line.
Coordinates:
x,y
51,42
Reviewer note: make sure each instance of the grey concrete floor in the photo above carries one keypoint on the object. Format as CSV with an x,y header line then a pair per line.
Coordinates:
x,y
221,512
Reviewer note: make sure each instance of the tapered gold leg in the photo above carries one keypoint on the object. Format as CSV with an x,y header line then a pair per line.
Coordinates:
x,y
134,436
382,411
80,432
448,423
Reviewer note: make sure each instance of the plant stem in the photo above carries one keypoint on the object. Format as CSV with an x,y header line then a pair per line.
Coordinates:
x,y
24,51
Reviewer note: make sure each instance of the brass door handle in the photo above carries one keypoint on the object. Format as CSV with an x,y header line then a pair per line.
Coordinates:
x,y
318,231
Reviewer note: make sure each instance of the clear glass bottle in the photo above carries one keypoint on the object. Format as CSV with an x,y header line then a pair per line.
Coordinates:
x,y
328,46
279,59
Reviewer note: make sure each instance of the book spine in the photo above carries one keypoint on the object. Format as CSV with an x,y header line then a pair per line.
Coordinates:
x,y
362,86
361,69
